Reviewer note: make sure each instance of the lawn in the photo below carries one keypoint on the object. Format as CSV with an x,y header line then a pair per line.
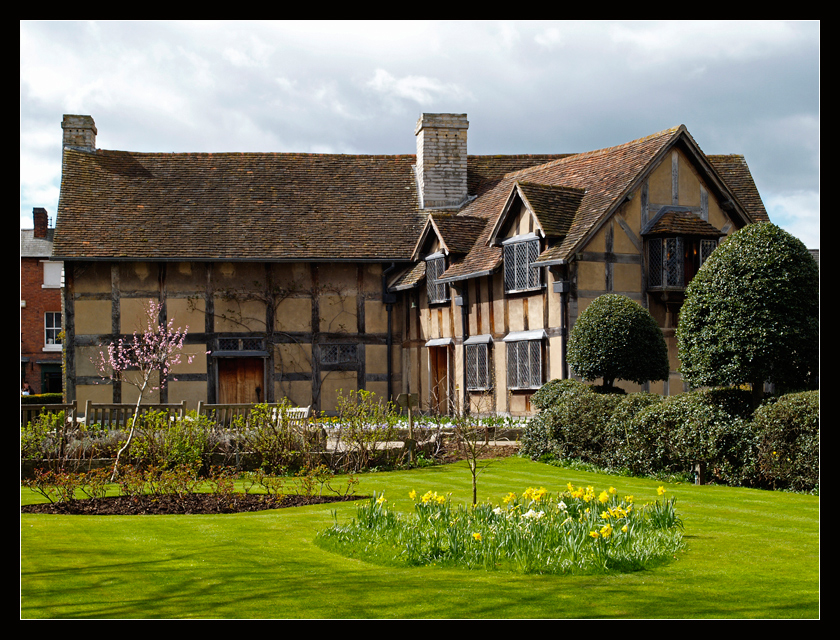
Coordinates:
x,y
750,554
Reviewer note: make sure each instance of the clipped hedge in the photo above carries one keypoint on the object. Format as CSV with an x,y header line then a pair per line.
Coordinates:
x,y
572,424
688,429
42,398
789,441
647,434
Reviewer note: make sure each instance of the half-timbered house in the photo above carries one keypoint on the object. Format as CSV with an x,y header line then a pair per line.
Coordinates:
x,y
442,274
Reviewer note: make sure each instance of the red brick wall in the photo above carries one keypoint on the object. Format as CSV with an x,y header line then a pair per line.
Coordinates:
x,y
38,301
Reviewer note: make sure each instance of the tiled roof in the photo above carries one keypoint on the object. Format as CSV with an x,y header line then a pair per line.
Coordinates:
x,y
249,206
554,206
310,207
605,176
735,172
682,223
32,247
237,206
459,233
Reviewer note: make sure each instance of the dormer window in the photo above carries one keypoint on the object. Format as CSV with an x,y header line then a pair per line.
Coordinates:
x,y
519,254
438,291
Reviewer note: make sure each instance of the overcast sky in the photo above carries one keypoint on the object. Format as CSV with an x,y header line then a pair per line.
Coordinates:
x,y
750,88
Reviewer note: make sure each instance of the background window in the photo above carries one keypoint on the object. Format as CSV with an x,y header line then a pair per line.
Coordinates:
x,y
52,328
338,353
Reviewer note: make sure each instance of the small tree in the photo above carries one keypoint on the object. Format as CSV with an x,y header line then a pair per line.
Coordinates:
x,y
617,339
143,361
751,314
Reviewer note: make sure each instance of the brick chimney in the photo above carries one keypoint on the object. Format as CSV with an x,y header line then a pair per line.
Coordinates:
x,y
79,132
442,159
39,216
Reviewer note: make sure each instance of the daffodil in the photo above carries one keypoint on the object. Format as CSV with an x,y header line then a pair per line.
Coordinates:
x,y
604,497
477,536
412,494
660,491
606,531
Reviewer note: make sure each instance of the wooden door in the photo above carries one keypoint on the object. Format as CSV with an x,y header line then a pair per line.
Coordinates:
x,y
439,373
241,380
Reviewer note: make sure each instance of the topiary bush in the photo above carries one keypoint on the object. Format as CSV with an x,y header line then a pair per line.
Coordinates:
x,y
751,314
789,441
617,339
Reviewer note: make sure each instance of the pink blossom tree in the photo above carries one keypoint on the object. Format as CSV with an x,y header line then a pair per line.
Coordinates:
x,y
136,361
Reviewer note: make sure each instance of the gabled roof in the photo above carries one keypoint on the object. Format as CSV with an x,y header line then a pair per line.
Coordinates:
x,y
553,208
455,234
237,206
605,177
249,206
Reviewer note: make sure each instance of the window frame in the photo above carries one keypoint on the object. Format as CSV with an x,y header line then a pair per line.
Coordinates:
x,y
670,251
518,255
437,292
525,374
52,331
349,349
476,348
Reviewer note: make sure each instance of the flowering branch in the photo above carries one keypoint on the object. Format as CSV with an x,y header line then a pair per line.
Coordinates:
x,y
136,360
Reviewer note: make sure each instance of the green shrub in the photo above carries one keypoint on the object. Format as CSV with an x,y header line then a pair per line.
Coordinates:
x,y
789,441
616,338
683,430
751,314
548,394
537,438
621,451
40,438
365,423
42,398
271,436
165,442
572,426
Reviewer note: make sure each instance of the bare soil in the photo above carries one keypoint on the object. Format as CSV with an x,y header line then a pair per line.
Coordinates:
x,y
193,503
208,503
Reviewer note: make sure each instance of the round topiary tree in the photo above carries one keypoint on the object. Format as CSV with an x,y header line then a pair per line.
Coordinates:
x,y
617,339
751,314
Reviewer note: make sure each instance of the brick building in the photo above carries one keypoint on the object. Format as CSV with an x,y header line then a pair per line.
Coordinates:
x,y
40,308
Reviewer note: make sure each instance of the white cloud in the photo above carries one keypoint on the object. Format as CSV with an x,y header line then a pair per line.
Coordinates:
x,y
420,89
797,212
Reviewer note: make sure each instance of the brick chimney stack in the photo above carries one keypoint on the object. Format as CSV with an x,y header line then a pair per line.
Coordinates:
x,y
442,159
79,132
39,215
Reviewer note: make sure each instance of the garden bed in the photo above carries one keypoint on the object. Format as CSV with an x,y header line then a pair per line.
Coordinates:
x,y
194,503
